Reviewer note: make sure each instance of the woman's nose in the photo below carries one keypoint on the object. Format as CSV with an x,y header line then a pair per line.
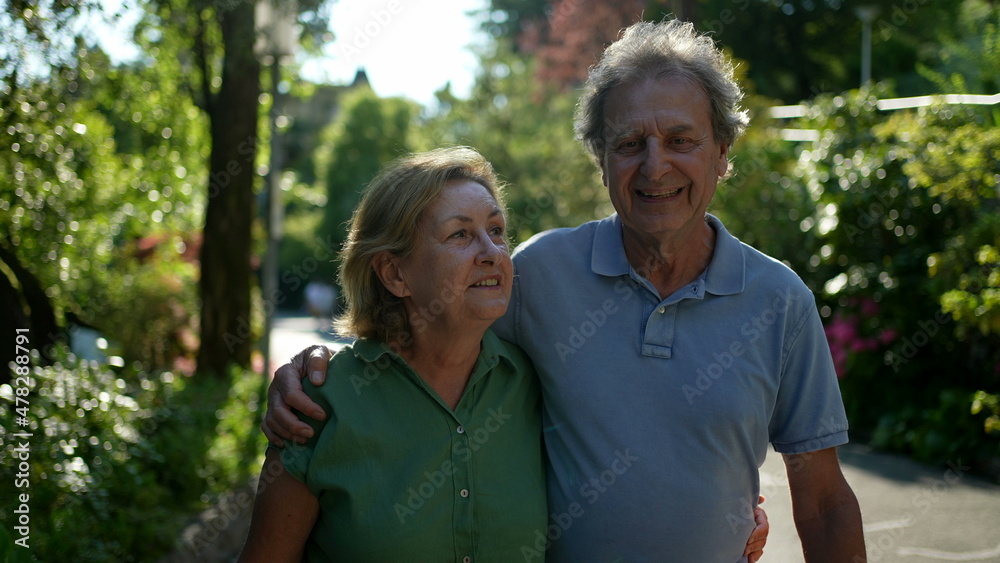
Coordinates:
x,y
489,250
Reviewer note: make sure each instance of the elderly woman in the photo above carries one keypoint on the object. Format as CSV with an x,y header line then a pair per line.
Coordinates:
x,y
432,448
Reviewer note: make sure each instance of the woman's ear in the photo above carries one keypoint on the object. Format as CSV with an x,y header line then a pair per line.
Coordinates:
x,y
386,266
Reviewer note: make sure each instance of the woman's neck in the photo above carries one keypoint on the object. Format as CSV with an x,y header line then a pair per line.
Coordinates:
x,y
444,359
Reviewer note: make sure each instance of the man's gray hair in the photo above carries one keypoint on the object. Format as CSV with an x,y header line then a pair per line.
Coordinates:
x,y
651,50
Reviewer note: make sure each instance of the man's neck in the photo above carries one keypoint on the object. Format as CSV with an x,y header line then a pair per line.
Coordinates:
x,y
670,262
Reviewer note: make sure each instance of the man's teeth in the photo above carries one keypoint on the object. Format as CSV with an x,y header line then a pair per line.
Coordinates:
x,y
661,196
486,282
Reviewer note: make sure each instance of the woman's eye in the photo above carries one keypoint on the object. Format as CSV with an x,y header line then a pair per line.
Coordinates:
x,y
497,231
459,234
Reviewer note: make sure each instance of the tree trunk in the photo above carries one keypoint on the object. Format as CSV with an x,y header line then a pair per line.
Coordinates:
x,y
226,337
12,319
41,319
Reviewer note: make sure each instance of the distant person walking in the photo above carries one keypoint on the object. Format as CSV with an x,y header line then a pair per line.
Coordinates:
x,y
321,298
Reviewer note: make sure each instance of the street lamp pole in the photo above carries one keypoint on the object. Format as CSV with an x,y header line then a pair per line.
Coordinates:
x,y
277,37
867,15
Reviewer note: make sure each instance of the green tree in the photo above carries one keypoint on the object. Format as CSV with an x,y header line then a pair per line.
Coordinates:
x,y
92,181
217,42
197,52
811,46
968,61
901,255
368,132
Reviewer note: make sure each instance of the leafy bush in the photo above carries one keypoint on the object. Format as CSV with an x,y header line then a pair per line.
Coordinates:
x,y
150,303
90,174
892,219
121,461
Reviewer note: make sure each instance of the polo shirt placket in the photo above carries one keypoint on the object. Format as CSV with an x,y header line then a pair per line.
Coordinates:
x,y
691,399
660,324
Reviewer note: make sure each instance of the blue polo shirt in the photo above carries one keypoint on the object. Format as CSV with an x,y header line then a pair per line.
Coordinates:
x,y
658,412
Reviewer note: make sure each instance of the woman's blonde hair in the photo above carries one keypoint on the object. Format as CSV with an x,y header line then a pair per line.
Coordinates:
x,y
386,219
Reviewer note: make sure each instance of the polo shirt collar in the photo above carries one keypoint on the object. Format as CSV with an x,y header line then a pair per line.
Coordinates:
x,y
725,275
493,349
608,255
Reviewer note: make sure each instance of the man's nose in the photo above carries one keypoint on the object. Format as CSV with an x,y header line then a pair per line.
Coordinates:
x,y
657,161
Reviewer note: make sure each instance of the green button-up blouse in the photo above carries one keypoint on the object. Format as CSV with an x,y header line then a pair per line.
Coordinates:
x,y
401,477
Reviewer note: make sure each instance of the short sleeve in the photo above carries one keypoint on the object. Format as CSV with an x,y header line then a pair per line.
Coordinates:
x,y
297,457
809,412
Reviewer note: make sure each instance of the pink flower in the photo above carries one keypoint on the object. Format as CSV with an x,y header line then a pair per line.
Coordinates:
x,y
863,345
869,307
887,336
841,329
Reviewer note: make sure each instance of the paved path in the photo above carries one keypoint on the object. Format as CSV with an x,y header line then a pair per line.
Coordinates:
x,y
290,334
217,534
913,513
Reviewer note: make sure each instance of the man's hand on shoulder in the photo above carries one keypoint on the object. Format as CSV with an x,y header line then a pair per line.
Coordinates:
x,y
285,393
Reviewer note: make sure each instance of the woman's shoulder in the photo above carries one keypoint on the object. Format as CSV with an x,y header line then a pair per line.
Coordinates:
x,y
360,358
345,365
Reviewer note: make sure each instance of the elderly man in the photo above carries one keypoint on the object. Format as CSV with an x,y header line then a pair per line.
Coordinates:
x,y
670,354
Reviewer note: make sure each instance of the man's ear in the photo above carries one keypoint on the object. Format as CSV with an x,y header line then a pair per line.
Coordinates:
x,y
386,266
723,165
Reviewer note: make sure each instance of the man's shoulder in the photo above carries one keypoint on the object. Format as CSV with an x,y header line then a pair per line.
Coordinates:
x,y
764,269
557,238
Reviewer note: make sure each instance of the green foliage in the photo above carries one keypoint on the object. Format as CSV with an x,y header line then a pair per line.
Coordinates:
x,y
120,461
950,154
304,256
510,18
943,429
164,329
91,178
983,402
761,201
901,249
55,174
819,41
976,301
33,33
969,61
368,133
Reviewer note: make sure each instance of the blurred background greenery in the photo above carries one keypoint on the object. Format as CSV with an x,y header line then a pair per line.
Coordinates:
x,y
118,180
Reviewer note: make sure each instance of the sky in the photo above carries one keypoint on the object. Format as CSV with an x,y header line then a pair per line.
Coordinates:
x,y
408,48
